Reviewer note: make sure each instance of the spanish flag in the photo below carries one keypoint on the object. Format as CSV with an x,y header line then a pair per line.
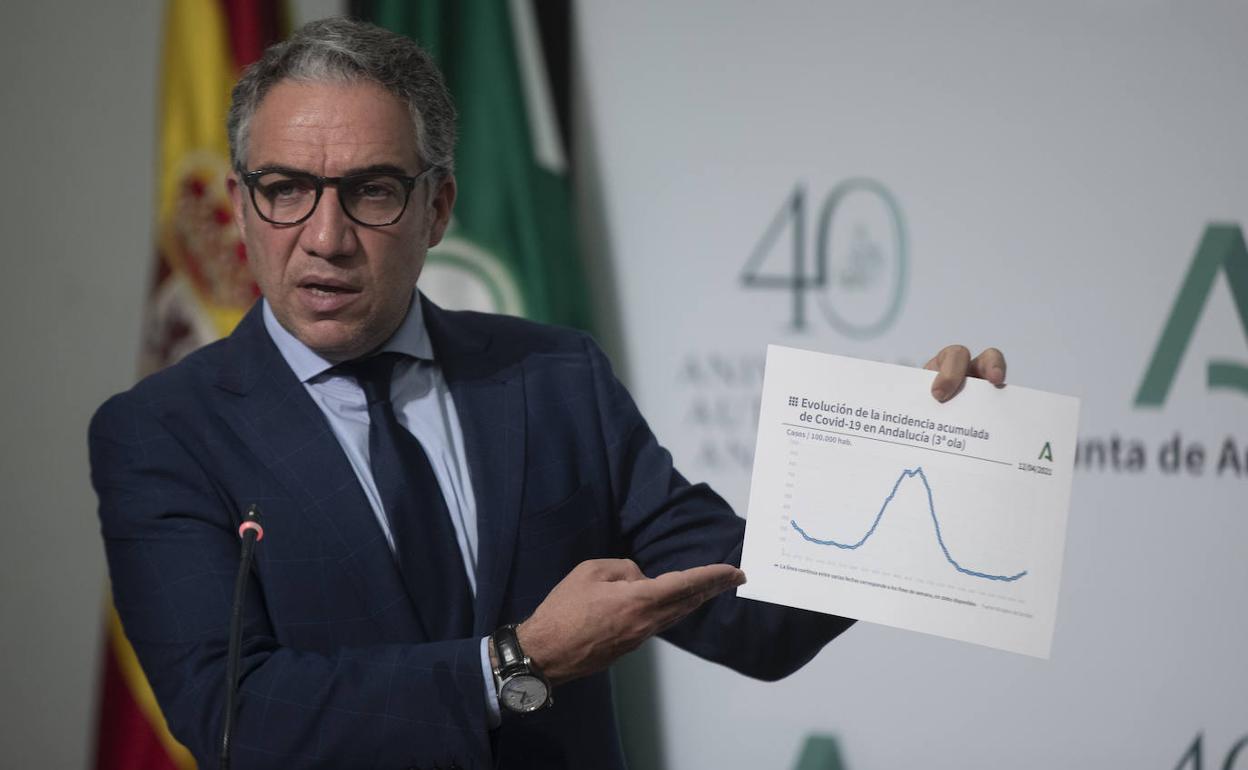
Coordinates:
x,y
200,288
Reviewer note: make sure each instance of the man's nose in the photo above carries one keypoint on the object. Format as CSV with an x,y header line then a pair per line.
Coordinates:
x,y
328,233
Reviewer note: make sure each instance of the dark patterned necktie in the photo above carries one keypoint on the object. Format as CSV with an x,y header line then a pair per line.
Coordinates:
x,y
424,540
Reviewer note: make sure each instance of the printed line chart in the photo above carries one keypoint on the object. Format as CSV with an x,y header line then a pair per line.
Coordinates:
x,y
931,507
870,500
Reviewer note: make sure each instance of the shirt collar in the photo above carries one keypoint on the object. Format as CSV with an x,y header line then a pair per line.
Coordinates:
x,y
411,338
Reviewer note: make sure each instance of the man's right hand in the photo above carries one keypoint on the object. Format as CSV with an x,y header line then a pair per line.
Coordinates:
x,y
607,607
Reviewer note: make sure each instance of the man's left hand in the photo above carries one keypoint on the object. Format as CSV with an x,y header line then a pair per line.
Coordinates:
x,y
954,364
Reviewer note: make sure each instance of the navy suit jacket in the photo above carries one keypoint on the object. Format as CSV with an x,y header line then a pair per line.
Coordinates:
x,y
337,669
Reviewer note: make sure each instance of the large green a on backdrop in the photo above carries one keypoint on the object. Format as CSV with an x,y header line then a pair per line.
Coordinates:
x,y
1222,249
510,247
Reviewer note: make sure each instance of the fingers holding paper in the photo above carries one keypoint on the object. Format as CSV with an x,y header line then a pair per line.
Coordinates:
x,y
953,364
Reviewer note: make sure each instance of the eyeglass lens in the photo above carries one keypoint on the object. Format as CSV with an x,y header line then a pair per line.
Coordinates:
x,y
372,199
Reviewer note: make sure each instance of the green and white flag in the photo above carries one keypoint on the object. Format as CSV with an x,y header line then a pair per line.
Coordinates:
x,y
510,247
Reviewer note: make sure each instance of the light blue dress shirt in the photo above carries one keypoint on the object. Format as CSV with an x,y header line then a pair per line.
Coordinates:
x,y
423,404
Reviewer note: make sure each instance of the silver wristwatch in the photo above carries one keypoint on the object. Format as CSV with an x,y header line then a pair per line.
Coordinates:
x,y
521,687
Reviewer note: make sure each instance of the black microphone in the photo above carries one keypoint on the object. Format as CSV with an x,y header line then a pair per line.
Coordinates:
x,y
251,533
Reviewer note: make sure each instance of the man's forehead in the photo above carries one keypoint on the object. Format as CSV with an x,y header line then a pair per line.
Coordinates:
x,y
332,128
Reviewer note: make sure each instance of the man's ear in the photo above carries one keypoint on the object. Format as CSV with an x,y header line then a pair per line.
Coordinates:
x,y
442,204
238,199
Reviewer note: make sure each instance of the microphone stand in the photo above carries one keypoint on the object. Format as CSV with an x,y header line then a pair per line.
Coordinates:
x,y
250,532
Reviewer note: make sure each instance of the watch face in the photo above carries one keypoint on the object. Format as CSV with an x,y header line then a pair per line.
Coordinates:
x,y
524,693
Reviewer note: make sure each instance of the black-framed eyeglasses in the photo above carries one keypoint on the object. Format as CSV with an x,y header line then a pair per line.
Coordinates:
x,y
371,198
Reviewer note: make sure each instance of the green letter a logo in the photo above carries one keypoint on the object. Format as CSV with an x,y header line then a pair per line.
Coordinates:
x,y
1046,453
1222,248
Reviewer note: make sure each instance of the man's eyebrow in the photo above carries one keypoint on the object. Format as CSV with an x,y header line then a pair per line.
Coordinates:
x,y
280,168
376,168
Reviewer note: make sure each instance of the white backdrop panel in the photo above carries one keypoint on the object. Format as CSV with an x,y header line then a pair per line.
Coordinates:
x,y
1055,165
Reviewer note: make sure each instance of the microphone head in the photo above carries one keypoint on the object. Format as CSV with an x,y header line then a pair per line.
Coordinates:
x,y
251,521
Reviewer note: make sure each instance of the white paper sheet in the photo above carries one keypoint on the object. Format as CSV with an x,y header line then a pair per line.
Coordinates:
x,y
872,500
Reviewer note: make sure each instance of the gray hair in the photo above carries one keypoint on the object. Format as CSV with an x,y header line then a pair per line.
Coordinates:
x,y
342,50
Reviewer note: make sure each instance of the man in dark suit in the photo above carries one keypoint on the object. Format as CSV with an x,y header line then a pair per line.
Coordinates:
x,y
427,478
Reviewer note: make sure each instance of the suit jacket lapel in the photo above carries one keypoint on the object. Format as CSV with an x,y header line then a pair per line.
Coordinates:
x,y
488,392
281,423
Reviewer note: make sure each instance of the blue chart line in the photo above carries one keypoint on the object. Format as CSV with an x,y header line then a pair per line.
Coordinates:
x,y
931,507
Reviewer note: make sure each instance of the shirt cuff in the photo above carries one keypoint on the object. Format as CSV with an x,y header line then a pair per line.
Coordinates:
x,y
493,716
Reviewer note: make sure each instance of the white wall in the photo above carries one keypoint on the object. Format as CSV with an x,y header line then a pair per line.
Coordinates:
x,y
77,139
